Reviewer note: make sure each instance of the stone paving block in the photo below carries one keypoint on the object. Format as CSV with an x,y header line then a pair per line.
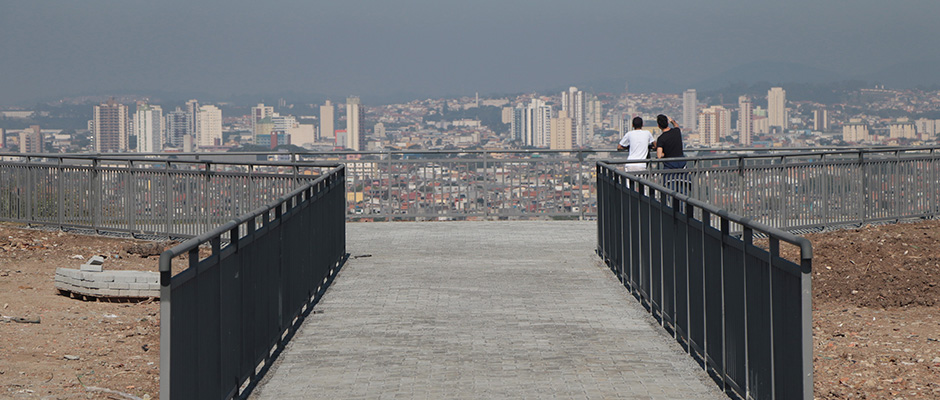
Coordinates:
x,y
471,310
120,285
95,260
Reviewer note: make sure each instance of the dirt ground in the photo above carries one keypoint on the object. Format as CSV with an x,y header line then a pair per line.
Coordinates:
x,y
117,345
876,320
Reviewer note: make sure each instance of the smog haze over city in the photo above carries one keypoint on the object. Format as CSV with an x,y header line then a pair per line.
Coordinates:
x,y
411,49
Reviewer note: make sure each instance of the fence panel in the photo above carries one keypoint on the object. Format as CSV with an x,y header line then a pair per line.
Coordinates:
x,y
229,310
745,311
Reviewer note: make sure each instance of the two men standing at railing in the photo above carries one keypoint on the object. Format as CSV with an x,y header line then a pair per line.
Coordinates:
x,y
669,145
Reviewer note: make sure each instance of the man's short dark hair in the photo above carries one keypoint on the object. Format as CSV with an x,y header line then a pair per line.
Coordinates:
x,y
662,121
637,122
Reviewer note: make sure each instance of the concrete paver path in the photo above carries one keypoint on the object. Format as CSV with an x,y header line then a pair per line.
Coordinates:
x,y
479,310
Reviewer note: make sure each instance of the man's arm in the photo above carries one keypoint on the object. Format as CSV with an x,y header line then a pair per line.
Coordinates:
x,y
659,152
621,148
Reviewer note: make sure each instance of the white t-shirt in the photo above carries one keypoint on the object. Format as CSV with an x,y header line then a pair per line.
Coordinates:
x,y
638,141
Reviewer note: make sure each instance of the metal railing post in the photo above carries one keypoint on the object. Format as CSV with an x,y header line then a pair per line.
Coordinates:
x,y
29,191
388,209
486,186
129,203
167,194
96,195
580,185
60,196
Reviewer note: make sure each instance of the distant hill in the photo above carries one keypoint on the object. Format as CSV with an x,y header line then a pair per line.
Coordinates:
x,y
908,74
768,71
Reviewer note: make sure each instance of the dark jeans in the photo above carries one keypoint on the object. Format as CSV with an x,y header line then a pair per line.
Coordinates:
x,y
678,181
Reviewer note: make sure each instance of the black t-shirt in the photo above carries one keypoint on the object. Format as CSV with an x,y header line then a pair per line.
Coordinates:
x,y
671,142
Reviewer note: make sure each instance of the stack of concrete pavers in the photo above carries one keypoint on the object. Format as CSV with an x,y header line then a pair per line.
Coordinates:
x,y
90,280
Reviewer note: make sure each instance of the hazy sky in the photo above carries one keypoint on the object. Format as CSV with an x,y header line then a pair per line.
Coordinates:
x,y
437,47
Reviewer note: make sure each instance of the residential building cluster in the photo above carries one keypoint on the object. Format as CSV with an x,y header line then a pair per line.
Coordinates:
x,y
567,119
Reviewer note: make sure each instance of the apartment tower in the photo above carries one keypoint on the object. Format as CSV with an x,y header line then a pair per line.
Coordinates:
x,y
148,124
327,118
745,120
110,127
355,135
689,111
777,107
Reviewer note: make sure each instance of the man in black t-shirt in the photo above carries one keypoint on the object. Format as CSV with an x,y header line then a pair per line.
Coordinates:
x,y
669,145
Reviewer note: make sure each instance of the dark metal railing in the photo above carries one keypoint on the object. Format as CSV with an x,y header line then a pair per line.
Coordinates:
x,y
247,286
742,310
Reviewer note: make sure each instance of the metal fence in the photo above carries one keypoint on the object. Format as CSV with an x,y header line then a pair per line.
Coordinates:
x,y
788,187
233,307
796,191
742,310
141,196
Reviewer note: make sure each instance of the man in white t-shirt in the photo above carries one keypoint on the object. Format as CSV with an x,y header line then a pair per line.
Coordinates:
x,y
637,142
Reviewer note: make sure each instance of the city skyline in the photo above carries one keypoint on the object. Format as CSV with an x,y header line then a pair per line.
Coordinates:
x,y
217,50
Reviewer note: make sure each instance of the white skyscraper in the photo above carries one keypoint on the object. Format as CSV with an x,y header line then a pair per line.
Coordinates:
x,y
327,118
745,120
537,124
208,126
148,123
572,102
689,111
777,107
355,135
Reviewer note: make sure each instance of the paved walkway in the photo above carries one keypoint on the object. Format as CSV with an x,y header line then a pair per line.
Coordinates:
x,y
480,310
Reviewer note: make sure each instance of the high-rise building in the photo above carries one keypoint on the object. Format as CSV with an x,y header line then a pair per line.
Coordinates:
x,y
689,111
562,132
903,128
537,124
192,108
355,135
259,113
110,123
572,102
745,120
178,125
855,131
148,125
821,120
209,127
517,124
506,116
595,114
927,128
378,130
777,107
327,118
31,140
714,123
